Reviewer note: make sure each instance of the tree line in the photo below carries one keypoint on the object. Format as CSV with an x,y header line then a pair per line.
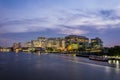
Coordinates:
x,y
112,51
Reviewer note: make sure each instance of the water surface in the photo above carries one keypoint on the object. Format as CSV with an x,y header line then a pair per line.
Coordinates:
x,y
27,66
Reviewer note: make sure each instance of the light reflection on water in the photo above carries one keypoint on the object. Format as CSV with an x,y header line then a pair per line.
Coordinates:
x,y
116,63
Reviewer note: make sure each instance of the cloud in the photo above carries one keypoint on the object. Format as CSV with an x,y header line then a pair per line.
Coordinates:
x,y
71,31
101,19
74,19
25,25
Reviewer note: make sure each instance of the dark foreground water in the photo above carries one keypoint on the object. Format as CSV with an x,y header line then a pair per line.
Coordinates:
x,y
24,66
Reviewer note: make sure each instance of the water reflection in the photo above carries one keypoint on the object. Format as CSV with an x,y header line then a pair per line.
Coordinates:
x,y
38,53
116,63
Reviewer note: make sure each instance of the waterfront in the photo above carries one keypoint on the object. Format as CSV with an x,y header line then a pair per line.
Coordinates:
x,y
27,66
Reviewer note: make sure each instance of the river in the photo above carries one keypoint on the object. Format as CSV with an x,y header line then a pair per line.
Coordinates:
x,y
29,66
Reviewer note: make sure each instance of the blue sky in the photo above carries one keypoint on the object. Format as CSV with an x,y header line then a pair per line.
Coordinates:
x,y
25,20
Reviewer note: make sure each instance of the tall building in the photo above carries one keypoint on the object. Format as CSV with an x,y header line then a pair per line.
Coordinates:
x,y
78,41
35,43
96,44
42,42
62,43
56,43
52,42
73,42
39,42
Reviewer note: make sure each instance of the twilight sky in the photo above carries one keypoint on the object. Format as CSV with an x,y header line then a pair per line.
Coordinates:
x,y
25,20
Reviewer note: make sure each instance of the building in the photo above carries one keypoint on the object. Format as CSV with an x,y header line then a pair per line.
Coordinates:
x,y
56,43
42,42
17,47
96,44
62,44
29,44
52,43
70,42
5,50
1,49
76,41
35,43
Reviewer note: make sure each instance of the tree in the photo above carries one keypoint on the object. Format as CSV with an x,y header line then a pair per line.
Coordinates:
x,y
114,51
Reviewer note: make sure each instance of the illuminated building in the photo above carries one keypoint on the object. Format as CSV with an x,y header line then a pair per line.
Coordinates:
x,y
62,43
53,43
1,49
56,43
8,49
70,42
78,41
35,43
29,44
96,44
42,42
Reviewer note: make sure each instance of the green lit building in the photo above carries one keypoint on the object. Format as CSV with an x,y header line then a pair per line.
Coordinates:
x,y
77,42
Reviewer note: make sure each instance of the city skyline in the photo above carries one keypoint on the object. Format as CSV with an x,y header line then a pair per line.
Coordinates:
x,y
25,20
